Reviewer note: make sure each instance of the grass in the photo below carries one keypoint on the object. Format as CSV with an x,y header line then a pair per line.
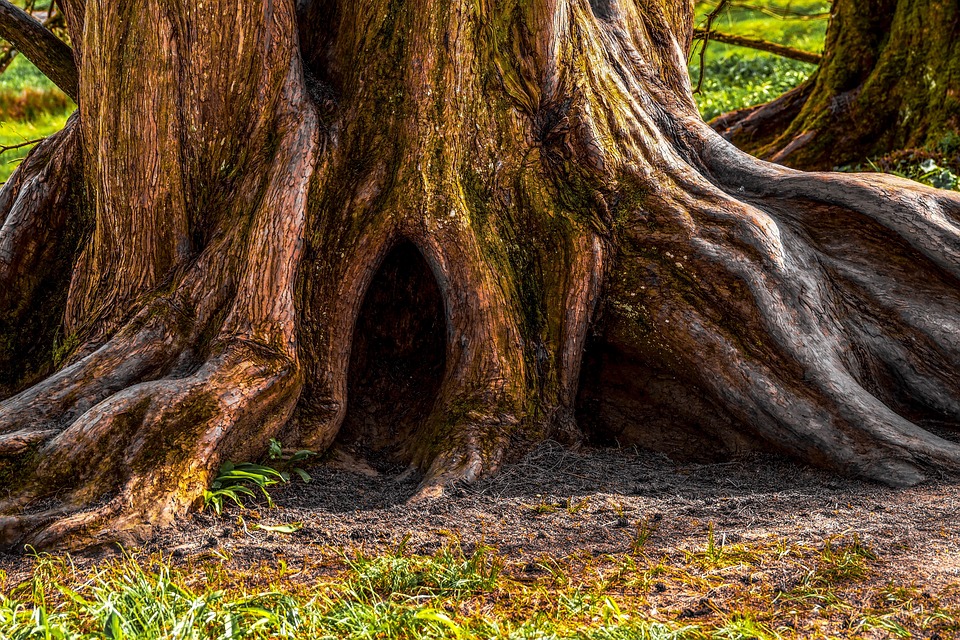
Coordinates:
x,y
15,132
825,590
22,74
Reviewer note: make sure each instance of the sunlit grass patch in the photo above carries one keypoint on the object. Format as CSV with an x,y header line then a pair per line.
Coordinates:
x,y
742,79
17,132
31,107
764,589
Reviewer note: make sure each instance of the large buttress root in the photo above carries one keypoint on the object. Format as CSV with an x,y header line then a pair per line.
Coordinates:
x,y
817,340
816,310
813,313
127,437
42,226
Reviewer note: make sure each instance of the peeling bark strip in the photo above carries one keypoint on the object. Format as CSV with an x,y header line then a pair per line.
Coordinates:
x,y
547,163
42,48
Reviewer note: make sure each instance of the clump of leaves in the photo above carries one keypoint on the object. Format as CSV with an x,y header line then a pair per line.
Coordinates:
x,y
246,479
645,529
287,461
234,481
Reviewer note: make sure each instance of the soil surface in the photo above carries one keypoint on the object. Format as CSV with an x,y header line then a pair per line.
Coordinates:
x,y
559,503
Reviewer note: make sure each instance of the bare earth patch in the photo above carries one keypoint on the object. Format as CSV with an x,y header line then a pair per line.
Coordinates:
x,y
679,542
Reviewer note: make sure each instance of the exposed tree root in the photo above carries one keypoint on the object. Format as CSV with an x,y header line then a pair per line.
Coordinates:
x,y
821,300
167,439
760,126
128,436
41,228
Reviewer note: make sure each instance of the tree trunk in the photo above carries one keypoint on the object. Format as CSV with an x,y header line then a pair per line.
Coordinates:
x,y
887,82
401,224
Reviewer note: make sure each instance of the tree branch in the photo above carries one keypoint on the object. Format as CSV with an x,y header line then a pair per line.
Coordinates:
x,y
760,45
40,46
705,40
26,143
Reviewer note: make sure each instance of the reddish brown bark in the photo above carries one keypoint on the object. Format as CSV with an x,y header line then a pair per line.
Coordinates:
x,y
547,164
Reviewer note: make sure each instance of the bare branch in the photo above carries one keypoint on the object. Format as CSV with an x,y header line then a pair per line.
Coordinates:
x,y
40,46
706,40
755,43
10,147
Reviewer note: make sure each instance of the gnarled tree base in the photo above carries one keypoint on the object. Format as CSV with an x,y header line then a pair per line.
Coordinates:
x,y
562,190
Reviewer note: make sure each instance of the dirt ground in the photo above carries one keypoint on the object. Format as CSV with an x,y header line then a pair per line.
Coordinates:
x,y
559,503
523,511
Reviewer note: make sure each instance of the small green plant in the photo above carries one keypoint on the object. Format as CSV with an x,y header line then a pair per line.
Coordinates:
x,y
234,481
645,529
287,461
575,506
713,552
743,626
936,176
544,507
914,164
720,554
842,563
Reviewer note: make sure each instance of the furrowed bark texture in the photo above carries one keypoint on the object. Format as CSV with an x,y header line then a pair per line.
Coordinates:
x,y
407,242
887,82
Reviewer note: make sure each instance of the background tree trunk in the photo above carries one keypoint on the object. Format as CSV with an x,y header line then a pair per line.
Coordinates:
x,y
887,82
296,212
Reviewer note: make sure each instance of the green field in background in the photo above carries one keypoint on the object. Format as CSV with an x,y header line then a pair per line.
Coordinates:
x,y
736,77
22,78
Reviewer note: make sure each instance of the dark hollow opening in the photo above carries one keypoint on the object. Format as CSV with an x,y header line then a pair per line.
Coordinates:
x,y
626,400
397,360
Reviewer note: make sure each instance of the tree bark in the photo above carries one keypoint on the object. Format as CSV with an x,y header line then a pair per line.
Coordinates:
x,y
506,185
886,83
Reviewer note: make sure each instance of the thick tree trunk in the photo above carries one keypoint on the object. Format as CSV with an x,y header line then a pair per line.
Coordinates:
x,y
887,82
478,184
